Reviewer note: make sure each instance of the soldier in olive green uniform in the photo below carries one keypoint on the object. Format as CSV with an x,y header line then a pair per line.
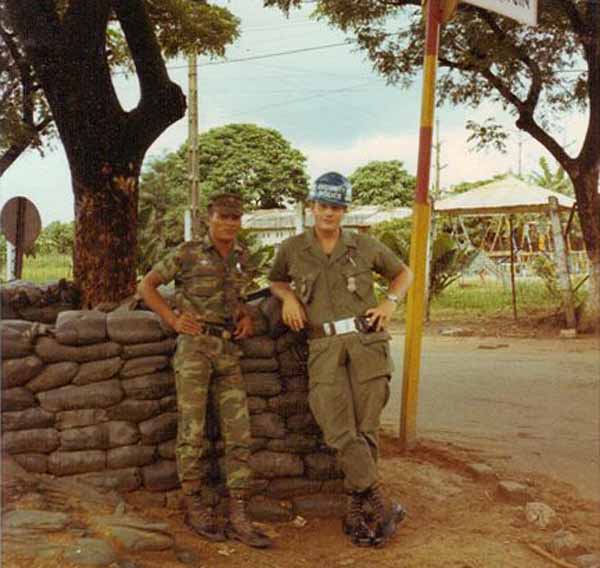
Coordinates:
x,y
210,277
325,279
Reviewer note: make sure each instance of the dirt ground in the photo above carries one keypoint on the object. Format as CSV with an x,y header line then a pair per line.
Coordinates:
x,y
453,519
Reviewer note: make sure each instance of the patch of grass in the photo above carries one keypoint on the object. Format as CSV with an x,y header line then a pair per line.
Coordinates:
x,y
47,268
470,298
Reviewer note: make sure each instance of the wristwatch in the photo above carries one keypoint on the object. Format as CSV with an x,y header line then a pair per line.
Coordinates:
x,y
392,298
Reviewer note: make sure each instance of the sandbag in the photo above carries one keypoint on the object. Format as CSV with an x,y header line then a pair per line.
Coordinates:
x,y
96,371
295,383
267,425
271,309
303,423
101,436
168,403
258,347
322,466
52,351
134,327
159,429
134,410
34,463
80,327
289,403
164,347
54,376
17,398
289,340
292,487
69,463
270,465
144,365
259,365
14,341
295,442
18,372
160,476
320,506
291,362
40,441
28,419
166,450
262,384
122,480
80,418
130,456
256,404
96,395
264,509
150,387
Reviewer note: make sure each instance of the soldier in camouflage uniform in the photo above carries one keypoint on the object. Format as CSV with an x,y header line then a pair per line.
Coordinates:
x,y
324,278
210,277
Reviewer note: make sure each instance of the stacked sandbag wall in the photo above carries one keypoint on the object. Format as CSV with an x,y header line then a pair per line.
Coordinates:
x,y
93,397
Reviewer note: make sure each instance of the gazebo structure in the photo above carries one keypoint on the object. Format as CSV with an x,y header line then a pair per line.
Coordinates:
x,y
511,195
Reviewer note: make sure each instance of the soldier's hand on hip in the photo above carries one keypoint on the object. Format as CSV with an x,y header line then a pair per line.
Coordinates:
x,y
293,314
187,323
380,316
244,327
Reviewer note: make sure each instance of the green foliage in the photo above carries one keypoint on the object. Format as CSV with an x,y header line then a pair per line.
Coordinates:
x,y
181,27
56,238
448,257
383,183
256,162
545,269
468,185
554,181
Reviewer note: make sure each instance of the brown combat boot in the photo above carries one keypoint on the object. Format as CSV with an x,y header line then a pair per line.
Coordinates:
x,y
240,528
354,523
386,515
202,519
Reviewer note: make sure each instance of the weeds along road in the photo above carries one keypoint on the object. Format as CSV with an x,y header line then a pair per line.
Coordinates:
x,y
532,404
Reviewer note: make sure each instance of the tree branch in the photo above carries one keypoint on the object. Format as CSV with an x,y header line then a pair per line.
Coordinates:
x,y
139,33
84,26
576,19
17,148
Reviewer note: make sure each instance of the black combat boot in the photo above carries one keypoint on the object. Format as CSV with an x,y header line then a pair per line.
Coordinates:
x,y
386,515
203,520
354,523
239,526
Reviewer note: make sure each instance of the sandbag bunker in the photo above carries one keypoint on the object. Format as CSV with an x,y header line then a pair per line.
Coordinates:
x,y
93,397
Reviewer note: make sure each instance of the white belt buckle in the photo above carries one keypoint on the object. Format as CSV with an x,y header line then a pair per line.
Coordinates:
x,y
344,326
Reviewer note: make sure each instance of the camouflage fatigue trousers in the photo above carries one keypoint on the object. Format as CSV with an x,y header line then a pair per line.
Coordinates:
x,y
207,368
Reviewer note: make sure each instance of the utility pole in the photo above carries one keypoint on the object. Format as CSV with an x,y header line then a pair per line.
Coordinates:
x,y
192,221
520,141
437,147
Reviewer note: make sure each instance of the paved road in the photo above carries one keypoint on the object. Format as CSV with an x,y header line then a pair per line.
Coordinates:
x,y
534,403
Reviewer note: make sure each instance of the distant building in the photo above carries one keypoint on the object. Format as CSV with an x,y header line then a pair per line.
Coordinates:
x,y
274,225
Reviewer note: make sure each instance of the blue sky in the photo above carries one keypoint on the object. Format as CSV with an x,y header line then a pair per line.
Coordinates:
x,y
328,103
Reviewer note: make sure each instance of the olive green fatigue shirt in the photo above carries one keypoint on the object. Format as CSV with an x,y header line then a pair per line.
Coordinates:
x,y
206,283
339,285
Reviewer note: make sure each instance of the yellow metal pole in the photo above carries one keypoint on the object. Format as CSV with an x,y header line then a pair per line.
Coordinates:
x,y
415,309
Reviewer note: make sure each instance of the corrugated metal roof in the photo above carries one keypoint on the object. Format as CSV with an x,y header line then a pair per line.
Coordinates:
x,y
507,195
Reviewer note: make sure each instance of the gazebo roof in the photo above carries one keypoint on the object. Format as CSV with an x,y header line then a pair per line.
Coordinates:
x,y
506,195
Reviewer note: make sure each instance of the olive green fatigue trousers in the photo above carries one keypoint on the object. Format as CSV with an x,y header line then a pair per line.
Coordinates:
x,y
349,386
208,368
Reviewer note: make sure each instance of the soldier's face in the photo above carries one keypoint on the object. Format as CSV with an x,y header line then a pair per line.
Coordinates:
x,y
328,217
224,226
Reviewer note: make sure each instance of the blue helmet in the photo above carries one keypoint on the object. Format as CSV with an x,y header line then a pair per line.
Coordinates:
x,y
332,188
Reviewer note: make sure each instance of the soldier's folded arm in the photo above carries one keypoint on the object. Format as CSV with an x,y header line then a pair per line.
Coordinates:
x,y
292,311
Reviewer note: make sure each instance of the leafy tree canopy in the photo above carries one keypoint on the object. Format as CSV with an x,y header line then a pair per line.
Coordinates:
x,y
258,163
553,180
383,183
25,117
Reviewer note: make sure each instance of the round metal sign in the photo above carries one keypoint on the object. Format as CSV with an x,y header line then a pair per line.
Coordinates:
x,y
20,222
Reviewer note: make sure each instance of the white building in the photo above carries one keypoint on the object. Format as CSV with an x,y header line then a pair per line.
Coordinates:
x,y
274,225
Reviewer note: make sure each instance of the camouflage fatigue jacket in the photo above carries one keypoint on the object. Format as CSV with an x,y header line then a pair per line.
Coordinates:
x,y
206,283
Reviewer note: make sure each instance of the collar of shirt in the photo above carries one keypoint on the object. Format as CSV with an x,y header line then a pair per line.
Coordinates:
x,y
346,240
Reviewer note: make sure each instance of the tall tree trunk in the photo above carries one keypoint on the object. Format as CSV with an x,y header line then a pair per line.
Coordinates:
x,y
106,233
588,206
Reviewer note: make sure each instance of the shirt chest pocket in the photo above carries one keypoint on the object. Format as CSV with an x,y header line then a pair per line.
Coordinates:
x,y
204,280
304,285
